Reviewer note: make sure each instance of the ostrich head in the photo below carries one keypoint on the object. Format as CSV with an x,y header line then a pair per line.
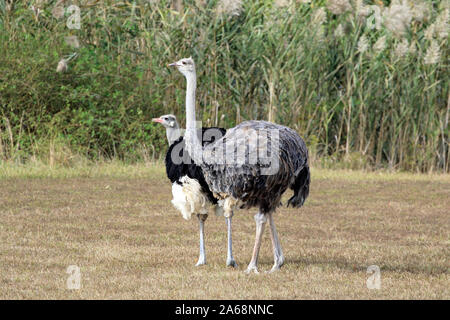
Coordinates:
x,y
186,66
169,121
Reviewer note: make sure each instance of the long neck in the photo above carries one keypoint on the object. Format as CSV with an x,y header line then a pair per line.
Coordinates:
x,y
190,101
193,145
173,133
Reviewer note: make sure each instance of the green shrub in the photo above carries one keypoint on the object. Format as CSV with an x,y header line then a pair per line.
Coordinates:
x,y
326,75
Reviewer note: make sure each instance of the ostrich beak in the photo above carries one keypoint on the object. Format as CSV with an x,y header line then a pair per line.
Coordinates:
x,y
159,120
172,64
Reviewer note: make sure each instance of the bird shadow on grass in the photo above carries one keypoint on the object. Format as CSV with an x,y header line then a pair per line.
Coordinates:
x,y
358,266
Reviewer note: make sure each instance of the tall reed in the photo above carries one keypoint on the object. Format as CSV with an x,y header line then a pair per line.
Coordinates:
x,y
366,84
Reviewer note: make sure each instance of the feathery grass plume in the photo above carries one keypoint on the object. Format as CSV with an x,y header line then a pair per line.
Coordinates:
x,y
441,27
62,66
397,17
281,3
363,44
339,32
229,7
380,45
359,4
433,53
429,32
319,16
419,10
401,48
320,34
338,6
58,9
362,11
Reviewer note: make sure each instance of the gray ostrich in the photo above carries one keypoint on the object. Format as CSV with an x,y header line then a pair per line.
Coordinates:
x,y
239,177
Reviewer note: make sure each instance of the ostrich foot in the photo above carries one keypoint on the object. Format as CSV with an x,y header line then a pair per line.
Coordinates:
x,y
200,262
274,269
231,263
252,268
277,265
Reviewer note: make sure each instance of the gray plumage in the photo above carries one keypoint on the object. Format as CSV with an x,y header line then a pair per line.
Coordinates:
x,y
246,181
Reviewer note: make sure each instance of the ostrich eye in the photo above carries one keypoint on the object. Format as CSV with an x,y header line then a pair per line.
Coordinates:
x,y
183,62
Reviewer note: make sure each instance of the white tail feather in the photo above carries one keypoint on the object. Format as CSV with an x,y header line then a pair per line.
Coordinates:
x,y
188,197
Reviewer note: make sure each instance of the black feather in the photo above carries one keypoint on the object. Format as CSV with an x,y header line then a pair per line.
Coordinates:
x,y
301,188
176,170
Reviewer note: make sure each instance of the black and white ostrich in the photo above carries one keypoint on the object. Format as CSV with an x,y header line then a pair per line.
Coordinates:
x,y
191,194
251,166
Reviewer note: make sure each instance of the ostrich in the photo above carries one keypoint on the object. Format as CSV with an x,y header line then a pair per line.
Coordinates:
x,y
239,177
189,188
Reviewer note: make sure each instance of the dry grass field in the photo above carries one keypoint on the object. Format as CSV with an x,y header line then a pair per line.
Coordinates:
x,y
118,225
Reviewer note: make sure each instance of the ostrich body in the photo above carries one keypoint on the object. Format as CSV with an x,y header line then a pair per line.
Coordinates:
x,y
191,193
236,174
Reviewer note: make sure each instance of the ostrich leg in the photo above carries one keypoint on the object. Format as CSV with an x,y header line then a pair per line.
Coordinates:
x,y
230,259
278,258
260,220
202,257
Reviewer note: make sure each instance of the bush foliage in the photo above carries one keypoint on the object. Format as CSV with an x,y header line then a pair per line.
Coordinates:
x,y
363,90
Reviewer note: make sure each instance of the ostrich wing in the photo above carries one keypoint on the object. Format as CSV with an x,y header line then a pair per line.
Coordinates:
x,y
254,162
